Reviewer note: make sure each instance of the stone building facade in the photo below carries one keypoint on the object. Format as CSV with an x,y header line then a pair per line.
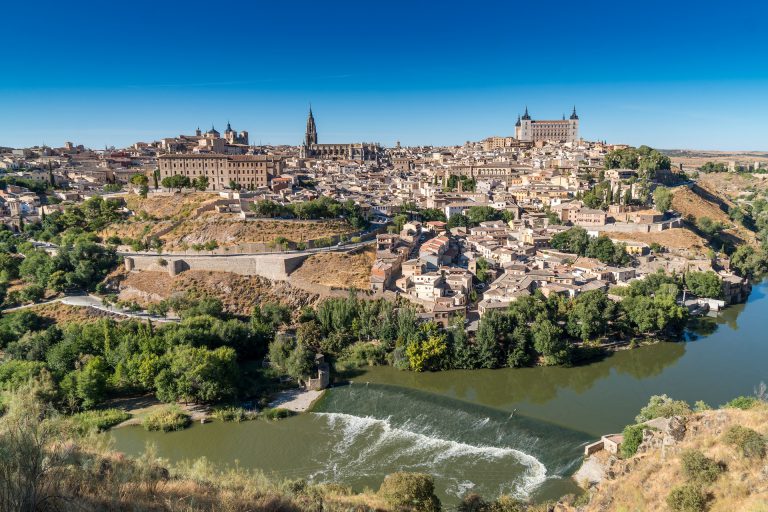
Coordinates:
x,y
247,171
559,130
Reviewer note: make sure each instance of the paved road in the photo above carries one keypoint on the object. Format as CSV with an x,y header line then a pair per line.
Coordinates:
x,y
95,302
333,248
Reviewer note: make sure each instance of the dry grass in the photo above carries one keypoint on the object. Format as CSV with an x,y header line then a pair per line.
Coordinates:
x,y
732,185
227,230
63,313
676,238
169,206
648,477
692,205
339,270
239,294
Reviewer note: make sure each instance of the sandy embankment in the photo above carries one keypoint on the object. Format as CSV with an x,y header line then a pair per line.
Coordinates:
x,y
296,400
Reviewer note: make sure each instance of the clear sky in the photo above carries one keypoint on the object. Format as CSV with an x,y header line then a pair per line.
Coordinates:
x,y
670,74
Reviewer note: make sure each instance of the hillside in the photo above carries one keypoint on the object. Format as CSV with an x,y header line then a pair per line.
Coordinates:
x,y
228,230
644,481
237,293
697,202
176,220
338,270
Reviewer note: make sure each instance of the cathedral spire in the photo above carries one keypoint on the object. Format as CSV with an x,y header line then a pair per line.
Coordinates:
x,y
526,116
574,116
310,136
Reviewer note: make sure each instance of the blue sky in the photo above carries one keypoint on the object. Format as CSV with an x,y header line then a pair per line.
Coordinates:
x,y
669,74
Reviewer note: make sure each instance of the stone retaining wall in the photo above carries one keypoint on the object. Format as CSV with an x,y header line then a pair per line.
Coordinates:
x,y
276,267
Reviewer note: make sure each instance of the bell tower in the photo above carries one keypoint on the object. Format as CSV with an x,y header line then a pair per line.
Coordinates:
x,y
310,137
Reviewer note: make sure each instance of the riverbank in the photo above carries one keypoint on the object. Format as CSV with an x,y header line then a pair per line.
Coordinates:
x,y
139,407
296,400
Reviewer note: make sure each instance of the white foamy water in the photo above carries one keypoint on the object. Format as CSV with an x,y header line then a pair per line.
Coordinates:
x,y
369,445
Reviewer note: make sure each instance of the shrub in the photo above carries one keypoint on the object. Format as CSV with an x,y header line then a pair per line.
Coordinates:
x,y
100,420
361,354
236,414
687,498
167,419
633,436
410,491
701,406
662,406
275,413
750,443
742,402
473,502
699,468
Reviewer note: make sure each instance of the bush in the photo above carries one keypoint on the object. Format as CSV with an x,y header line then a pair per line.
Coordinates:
x,y
699,468
687,498
701,406
662,406
633,436
410,491
100,420
167,419
361,354
742,402
236,414
275,413
750,443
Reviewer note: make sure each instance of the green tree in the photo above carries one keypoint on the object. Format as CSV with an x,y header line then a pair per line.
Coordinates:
x,y
139,179
704,284
574,240
427,354
176,181
198,374
590,315
201,183
662,198
548,341
488,350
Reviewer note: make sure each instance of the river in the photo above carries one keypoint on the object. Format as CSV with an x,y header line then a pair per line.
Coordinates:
x,y
517,431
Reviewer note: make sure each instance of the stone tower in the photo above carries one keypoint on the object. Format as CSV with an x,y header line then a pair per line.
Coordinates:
x,y
573,126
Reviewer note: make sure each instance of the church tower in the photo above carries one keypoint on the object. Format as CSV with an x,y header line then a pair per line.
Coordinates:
x,y
573,126
310,137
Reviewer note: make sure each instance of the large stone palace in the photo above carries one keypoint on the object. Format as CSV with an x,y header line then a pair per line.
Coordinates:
x,y
566,130
357,151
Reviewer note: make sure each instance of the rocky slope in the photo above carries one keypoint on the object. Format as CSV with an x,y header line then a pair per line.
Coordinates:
x,y
646,480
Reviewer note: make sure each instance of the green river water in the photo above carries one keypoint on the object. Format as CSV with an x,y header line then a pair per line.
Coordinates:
x,y
518,431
